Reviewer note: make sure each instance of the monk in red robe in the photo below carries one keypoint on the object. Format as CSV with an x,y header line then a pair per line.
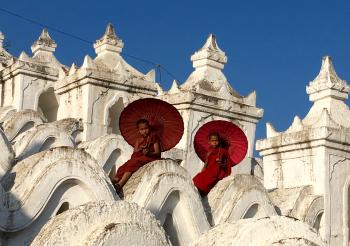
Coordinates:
x,y
147,149
217,166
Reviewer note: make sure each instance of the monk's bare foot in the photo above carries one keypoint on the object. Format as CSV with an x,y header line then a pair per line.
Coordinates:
x,y
118,189
116,186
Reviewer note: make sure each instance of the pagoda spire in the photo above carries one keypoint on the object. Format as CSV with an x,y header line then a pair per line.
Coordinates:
x,y
44,44
207,77
209,55
109,42
327,83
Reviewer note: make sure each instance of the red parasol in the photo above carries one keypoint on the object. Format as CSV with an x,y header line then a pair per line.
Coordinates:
x,y
163,117
232,136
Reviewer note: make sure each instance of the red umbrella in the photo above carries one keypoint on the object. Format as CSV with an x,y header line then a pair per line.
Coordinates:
x,y
163,117
233,138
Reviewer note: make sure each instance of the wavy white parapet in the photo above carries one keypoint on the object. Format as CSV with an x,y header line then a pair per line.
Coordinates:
x,y
21,121
7,154
103,223
6,112
39,138
310,209
37,186
237,197
166,189
110,151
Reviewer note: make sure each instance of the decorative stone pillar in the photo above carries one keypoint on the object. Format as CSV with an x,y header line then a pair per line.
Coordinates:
x,y
98,91
26,78
315,151
207,95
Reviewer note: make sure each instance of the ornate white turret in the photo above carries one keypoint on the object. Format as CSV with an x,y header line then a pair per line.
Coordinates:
x,y
207,78
327,83
207,95
4,55
174,87
109,42
328,91
109,82
314,152
209,55
109,47
44,46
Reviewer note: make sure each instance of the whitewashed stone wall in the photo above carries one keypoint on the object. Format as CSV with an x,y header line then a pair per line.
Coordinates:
x,y
314,152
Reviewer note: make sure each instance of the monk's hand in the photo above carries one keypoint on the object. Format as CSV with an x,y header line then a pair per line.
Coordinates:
x,y
145,151
221,163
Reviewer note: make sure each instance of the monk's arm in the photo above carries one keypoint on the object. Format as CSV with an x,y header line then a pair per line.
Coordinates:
x,y
206,161
137,146
156,152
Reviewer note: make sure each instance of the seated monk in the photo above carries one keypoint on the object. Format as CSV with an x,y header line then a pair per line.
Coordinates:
x,y
147,149
217,166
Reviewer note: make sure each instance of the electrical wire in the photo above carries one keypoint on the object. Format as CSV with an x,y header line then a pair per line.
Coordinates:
x,y
155,65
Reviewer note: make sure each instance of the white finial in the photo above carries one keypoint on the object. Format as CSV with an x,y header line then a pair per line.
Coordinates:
x,y
73,69
23,56
296,126
209,55
61,73
151,75
159,90
270,131
109,41
327,83
88,63
2,37
174,87
44,43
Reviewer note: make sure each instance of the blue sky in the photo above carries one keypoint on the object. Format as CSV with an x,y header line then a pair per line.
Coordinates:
x,y
273,47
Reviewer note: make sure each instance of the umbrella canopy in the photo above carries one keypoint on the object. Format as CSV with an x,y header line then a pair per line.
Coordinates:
x,y
163,117
232,138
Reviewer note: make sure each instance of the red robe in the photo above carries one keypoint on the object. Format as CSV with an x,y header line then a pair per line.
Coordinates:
x,y
207,179
138,159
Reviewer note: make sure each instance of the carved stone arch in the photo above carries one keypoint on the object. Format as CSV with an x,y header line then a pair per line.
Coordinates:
x,y
33,140
7,155
319,224
48,143
56,175
39,92
110,151
47,104
6,112
20,122
233,197
63,206
115,223
251,211
112,112
310,209
125,99
166,189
